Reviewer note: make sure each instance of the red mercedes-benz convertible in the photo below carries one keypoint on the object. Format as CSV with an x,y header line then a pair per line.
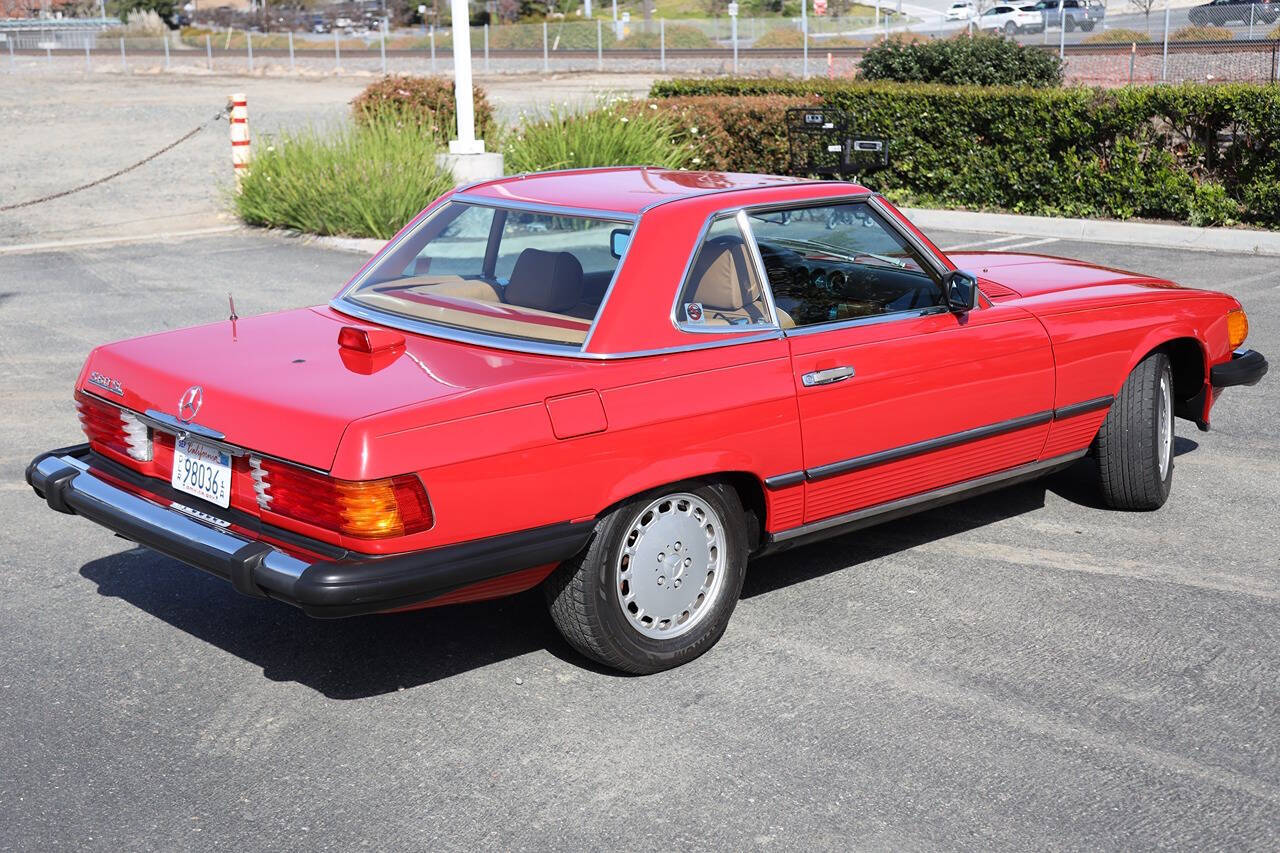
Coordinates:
x,y
621,384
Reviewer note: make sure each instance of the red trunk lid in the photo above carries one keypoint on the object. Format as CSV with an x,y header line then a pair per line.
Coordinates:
x,y
279,383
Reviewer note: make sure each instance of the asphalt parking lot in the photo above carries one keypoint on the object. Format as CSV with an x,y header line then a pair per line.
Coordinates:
x,y
1021,670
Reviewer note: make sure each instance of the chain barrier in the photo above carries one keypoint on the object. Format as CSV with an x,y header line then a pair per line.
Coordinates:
x,y
221,114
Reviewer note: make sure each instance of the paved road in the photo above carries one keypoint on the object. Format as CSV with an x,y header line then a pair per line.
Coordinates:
x,y
1022,670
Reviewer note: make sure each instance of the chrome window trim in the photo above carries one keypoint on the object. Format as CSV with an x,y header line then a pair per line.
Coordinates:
x,y
347,306
694,328
872,320
533,347
539,207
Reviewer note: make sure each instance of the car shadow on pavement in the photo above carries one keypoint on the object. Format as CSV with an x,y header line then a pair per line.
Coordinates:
x,y
371,655
341,658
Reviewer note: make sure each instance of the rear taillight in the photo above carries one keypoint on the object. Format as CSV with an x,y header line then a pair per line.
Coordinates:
x,y
368,509
114,428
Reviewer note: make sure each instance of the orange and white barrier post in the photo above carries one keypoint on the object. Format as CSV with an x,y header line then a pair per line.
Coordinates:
x,y
239,136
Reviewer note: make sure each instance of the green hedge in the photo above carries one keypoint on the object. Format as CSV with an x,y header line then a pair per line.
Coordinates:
x,y
1199,154
980,60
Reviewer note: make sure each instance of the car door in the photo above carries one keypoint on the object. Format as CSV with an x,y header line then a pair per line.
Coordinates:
x,y
897,395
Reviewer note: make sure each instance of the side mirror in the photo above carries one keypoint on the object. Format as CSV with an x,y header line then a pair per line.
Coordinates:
x,y
960,290
618,240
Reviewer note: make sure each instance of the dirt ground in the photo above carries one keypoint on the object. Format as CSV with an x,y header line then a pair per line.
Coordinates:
x,y
66,130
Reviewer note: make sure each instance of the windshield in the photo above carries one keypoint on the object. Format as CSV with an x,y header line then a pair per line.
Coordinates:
x,y
522,274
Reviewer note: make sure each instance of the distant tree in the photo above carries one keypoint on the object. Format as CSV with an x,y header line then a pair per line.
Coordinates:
x,y
163,8
1145,7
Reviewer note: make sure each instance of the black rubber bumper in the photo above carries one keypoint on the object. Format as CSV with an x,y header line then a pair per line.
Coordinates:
x,y
347,586
1246,367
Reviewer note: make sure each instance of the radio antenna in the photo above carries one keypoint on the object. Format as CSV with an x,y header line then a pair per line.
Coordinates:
x,y
231,301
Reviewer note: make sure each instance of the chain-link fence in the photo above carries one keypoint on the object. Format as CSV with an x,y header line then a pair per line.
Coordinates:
x,y
1101,44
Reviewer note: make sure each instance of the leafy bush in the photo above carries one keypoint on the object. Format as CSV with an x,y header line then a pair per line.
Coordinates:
x,y
679,37
613,135
424,103
1202,154
361,181
1202,33
982,60
789,37
1117,36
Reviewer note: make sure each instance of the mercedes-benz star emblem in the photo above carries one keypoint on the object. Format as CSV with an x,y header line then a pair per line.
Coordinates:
x,y
189,404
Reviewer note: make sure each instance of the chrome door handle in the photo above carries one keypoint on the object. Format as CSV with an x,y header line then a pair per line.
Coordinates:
x,y
827,377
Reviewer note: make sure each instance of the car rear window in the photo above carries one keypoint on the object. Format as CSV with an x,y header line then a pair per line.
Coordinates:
x,y
527,274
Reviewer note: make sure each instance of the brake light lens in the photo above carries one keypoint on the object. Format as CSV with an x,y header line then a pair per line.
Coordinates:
x,y
367,509
114,428
1237,327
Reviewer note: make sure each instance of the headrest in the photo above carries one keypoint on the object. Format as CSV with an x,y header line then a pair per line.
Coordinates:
x,y
547,281
721,277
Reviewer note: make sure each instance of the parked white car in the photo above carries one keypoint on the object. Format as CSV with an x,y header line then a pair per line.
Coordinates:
x,y
1012,20
962,11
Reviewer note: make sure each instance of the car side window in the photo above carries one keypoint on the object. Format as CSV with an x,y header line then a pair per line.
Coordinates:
x,y
722,289
838,262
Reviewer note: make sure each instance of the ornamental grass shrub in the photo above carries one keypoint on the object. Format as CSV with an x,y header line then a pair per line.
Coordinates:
x,y
1206,155
1202,33
981,60
614,134
1117,36
363,180
425,104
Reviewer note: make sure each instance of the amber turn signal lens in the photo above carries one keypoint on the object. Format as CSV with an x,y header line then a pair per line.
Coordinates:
x,y
1237,327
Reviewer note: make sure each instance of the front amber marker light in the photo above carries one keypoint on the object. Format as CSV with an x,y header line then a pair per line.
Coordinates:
x,y
1237,327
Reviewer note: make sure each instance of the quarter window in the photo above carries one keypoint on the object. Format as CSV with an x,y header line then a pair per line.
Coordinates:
x,y
839,262
722,291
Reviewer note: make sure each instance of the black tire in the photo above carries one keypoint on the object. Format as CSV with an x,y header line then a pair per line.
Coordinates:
x,y
1071,24
1128,446
1010,29
586,600
1087,26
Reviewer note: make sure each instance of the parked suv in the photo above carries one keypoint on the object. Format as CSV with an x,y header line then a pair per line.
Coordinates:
x,y
1011,20
1080,14
1222,12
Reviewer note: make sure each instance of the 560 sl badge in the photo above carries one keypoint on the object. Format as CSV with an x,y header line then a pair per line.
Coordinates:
x,y
106,383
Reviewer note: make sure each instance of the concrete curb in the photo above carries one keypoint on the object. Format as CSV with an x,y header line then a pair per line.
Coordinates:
x,y
1184,237
359,245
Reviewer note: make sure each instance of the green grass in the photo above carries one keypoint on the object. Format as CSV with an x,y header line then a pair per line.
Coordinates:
x,y
359,182
612,135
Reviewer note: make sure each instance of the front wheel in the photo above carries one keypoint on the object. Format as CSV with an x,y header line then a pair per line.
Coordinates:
x,y
1010,29
658,582
1087,26
1071,24
1134,447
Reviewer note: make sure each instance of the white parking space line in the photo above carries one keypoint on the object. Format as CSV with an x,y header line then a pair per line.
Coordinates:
x,y
108,241
1025,245
981,243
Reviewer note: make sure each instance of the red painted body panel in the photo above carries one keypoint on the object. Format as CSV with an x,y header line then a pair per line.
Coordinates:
x,y
506,441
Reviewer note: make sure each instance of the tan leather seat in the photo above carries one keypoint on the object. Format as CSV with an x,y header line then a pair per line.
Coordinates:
x,y
547,281
725,285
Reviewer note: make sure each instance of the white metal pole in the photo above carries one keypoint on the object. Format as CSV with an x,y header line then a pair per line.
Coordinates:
x,y
466,143
600,44
486,48
662,43
1062,30
208,51
382,44
733,26
87,66
291,64
804,29
337,52
123,61
587,9
546,62
166,52
248,43
1164,59
13,63
432,37
1251,8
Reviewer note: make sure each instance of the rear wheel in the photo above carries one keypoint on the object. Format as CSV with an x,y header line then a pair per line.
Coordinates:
x,y
1087,26
1134,447
1071,24
1010,29
657,584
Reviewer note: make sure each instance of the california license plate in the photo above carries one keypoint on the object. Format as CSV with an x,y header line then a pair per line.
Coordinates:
x,y
203,471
